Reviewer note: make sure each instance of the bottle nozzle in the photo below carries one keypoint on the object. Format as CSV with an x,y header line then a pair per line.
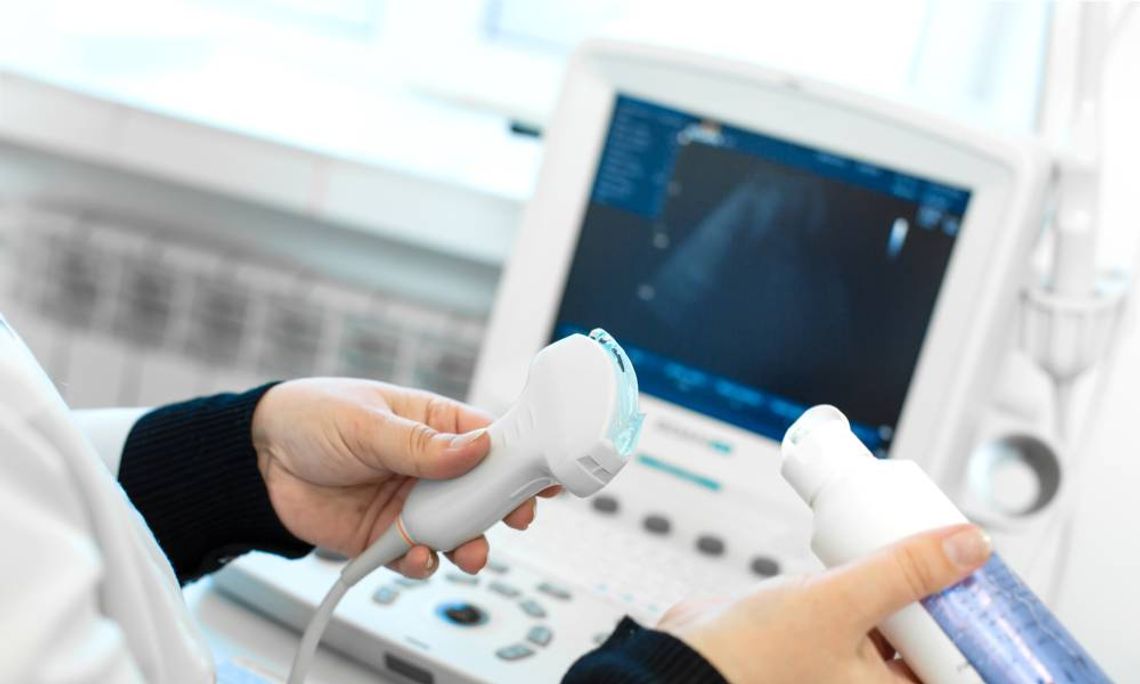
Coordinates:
x,y
811,419
816,447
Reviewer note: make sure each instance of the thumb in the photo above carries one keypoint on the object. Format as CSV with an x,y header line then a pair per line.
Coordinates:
x,y
872,589
409,447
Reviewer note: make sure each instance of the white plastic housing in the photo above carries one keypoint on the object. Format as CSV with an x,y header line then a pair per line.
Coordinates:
x,y
556,433
861,504
974,312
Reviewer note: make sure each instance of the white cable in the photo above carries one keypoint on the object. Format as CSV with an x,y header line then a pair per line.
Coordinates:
x,y
387,548
308,647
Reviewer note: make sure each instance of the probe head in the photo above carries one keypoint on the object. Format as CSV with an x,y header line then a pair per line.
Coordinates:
x,y
581,393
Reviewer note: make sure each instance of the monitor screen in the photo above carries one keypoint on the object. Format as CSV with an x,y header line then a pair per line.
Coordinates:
x,y
750,277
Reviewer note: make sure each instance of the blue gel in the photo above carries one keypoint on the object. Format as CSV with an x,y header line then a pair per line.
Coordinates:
x,y
625,427
1007,634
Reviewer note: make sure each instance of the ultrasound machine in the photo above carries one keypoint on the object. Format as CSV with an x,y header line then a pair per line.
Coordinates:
x,y
758,243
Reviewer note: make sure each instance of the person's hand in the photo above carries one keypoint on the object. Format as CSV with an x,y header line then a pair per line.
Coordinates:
x,y
339,457
821,628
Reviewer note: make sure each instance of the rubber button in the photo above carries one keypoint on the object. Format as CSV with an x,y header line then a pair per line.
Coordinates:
x,y
385,595
504,589
533,608
605,504
657,524
554,590
710,545
461,578
539,635
765,566
515,652
462,613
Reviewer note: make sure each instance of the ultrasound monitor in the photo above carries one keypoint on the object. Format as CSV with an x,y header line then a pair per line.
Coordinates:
x,y
760,243
751,277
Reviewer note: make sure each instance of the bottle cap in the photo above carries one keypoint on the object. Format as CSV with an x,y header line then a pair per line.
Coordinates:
x,y
816,448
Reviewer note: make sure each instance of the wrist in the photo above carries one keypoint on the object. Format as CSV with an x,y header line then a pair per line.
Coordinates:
x,y
646,655
262,438
261,423
710,647
192,473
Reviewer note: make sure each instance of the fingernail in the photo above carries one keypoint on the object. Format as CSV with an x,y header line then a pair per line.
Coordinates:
x,y
460,441
968,548
430,562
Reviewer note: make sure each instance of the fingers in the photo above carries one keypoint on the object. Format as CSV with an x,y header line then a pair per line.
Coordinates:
x,y
872,589
439,413
466,418
471,556
418,563
425,435
409,447
523,516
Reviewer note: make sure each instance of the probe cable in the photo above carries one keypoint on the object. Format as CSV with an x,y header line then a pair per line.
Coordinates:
x,y
388,548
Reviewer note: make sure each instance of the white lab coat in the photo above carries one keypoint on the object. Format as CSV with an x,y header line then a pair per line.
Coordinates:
x,y
86,594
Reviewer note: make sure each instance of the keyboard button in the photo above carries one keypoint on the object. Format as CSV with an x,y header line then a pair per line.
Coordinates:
x,y
409,583
605,504
504,589
710,545
385,595
657,524
461,578
515,652
765,566
498,567
555,591
532,608
539,635
462,613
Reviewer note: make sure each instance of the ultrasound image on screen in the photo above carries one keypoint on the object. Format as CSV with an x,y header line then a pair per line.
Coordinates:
x,y
750,277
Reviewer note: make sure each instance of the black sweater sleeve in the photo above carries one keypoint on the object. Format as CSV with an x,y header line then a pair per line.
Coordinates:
x,y
191,471
633,655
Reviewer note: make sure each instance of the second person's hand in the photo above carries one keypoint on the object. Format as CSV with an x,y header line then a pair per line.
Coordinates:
x,y
821,629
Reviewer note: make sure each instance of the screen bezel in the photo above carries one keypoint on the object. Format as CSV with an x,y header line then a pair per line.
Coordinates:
x,y
1004,180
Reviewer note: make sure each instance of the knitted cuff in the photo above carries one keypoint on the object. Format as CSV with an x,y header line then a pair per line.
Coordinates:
x,y
191,471
633,655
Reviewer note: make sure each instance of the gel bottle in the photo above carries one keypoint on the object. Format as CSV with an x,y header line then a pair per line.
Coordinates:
x,y
990,627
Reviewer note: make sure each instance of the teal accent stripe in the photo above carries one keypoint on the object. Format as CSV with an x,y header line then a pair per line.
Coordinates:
x,y
700,480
